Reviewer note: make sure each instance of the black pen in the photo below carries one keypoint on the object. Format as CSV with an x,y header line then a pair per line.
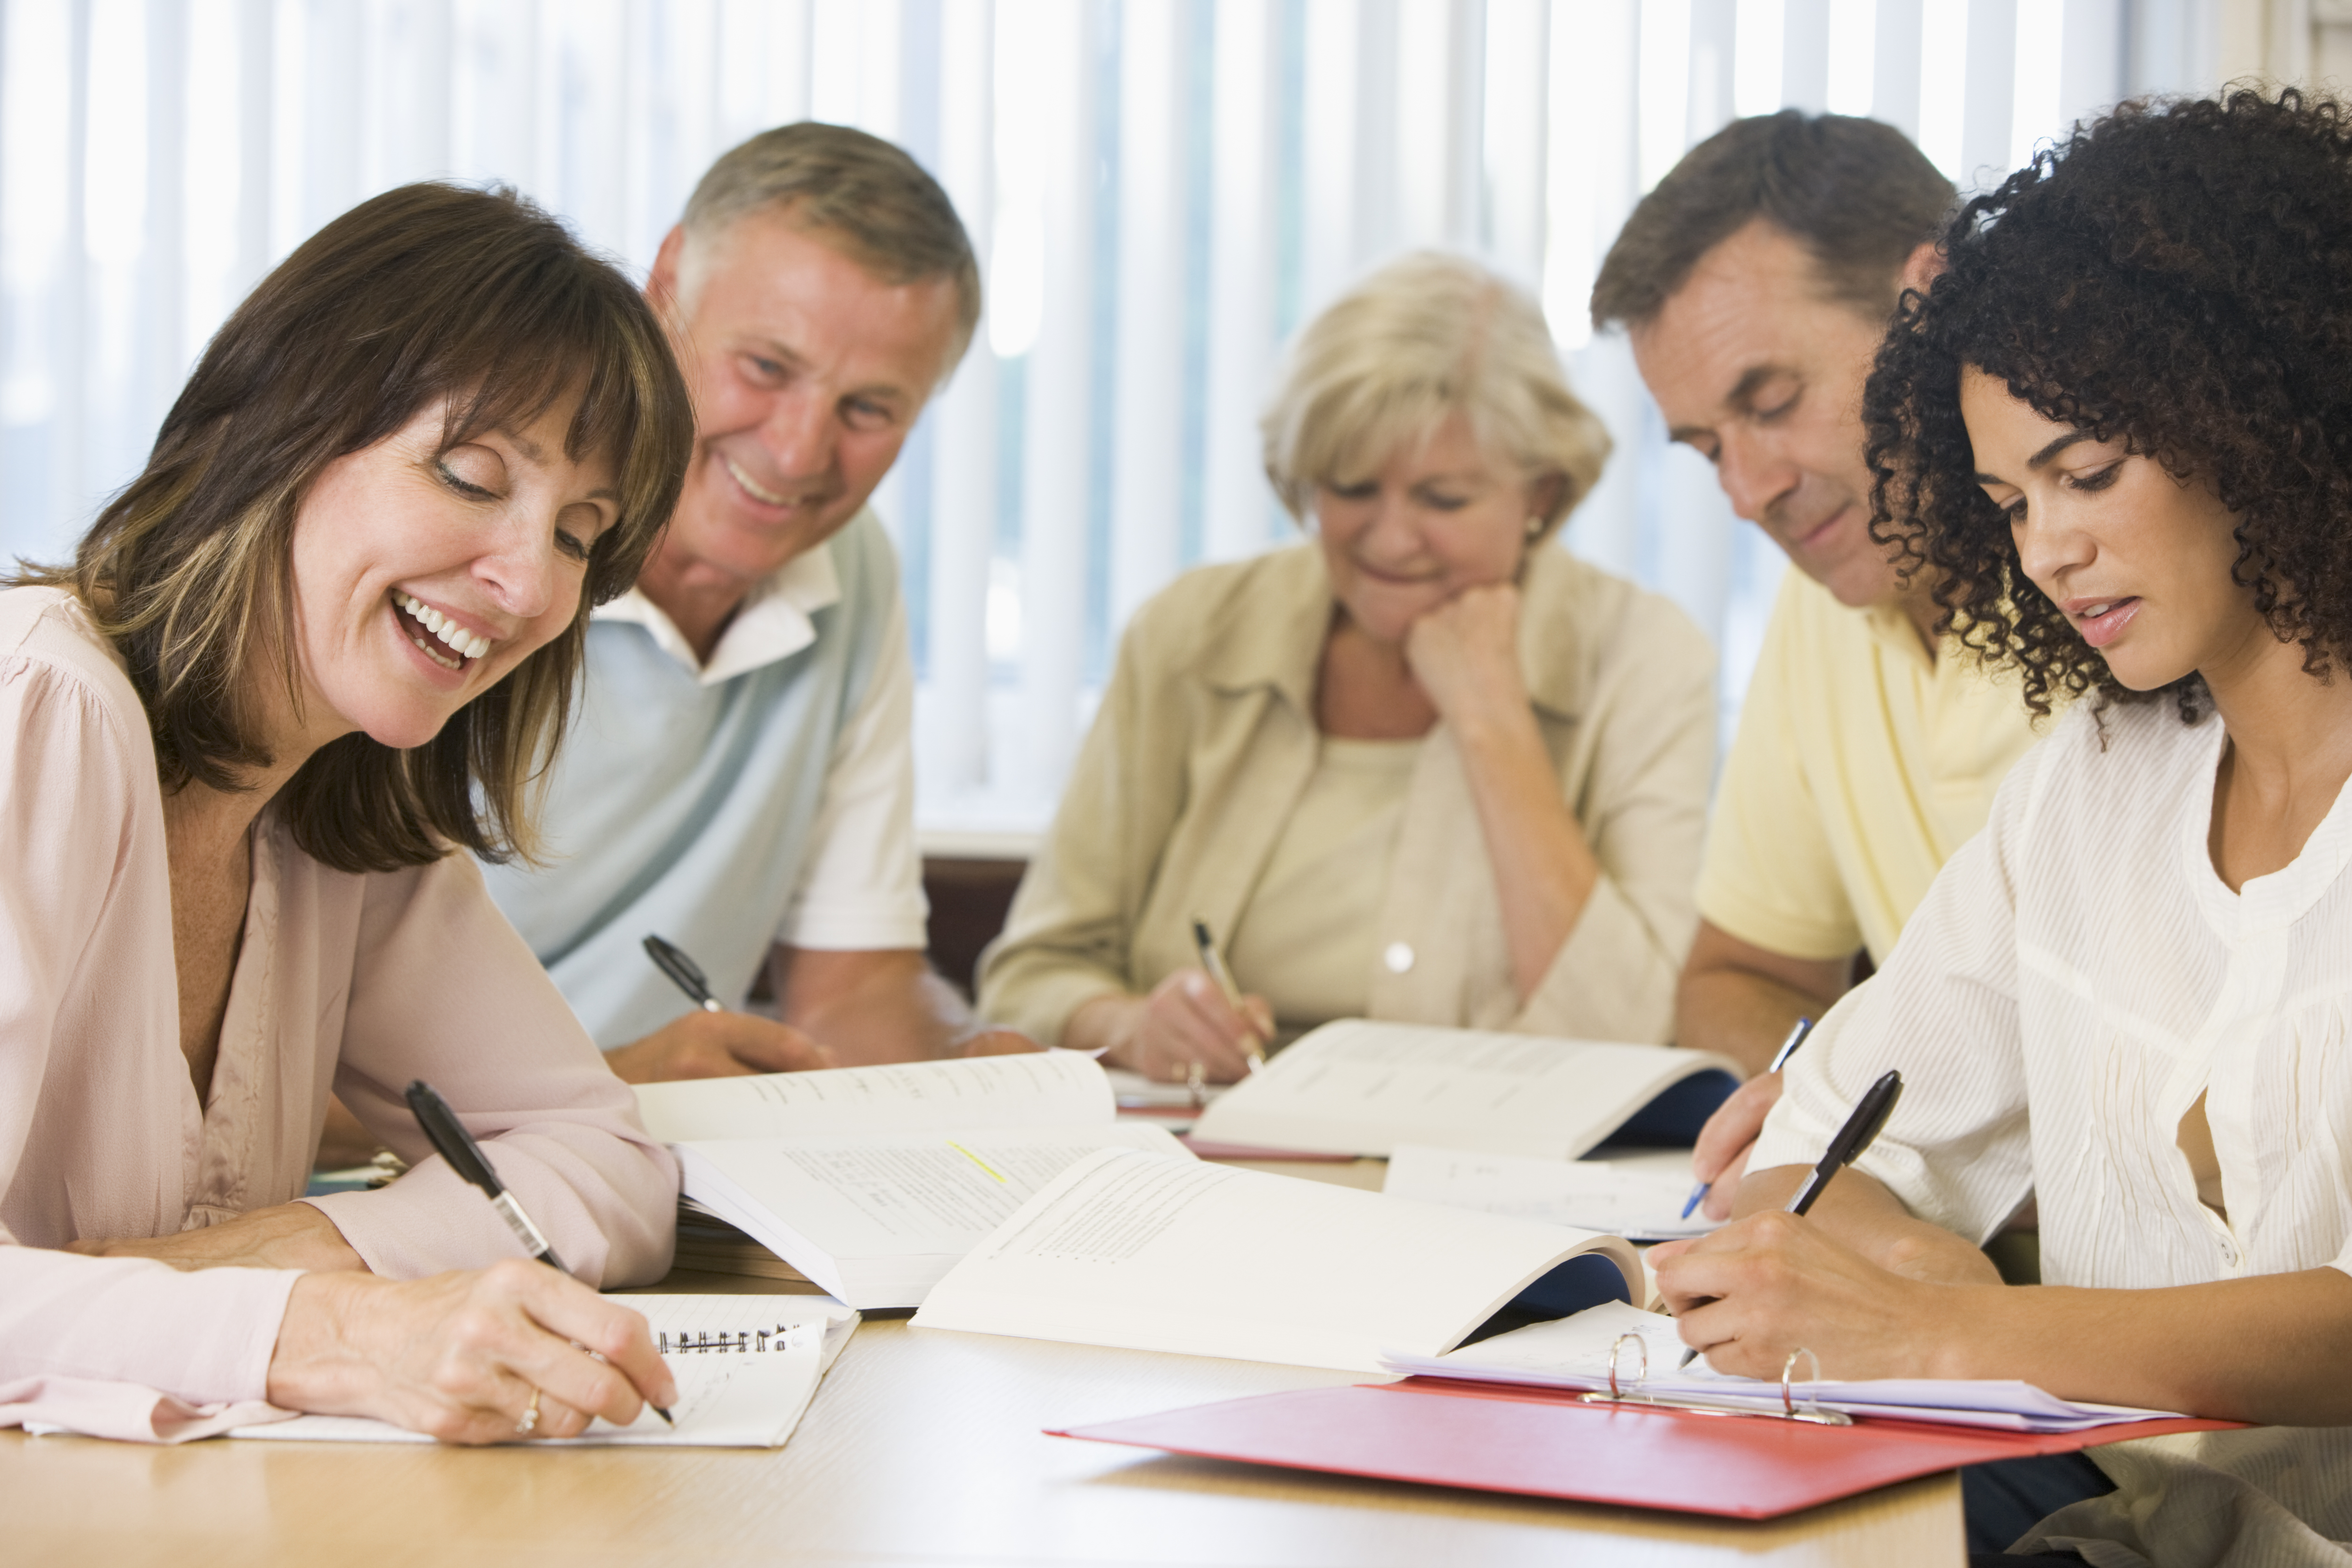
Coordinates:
x,y
683,972
1860,1130
1852,1139
1779,1059
454,1143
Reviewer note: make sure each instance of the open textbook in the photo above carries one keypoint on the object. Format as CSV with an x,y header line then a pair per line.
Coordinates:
x,y
1573,1353
1140,1252
1361,1087
1639,1198
746,1368
873,1182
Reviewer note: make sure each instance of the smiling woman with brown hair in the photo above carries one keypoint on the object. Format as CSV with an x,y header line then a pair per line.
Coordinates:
x,y
1428,768
316,650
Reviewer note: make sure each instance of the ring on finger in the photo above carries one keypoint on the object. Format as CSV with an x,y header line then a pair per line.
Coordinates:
x,y
529,1422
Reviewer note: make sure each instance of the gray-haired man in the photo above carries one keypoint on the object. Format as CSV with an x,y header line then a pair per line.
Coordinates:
x,y
740,777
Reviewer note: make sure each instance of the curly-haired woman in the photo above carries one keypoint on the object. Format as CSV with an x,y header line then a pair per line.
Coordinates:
x,y
315,651
2120,426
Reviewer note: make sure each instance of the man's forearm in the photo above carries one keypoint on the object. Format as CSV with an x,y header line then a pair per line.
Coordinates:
x,y
874,1006
1740,1014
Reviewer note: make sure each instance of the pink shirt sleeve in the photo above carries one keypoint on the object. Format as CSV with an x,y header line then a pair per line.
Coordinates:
x,y
442,989
92,1341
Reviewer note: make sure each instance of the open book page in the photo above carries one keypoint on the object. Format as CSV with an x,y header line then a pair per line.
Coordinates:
x,y
1128,1250
1573,1353
1591,1194
1362,1088
746,1368
919,1201
1036,1089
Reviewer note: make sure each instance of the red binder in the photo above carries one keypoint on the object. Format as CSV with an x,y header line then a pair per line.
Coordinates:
x,y
1544,1443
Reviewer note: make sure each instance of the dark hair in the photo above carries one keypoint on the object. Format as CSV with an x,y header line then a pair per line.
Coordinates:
x,y
1854,193
2174,275
428,294
890,217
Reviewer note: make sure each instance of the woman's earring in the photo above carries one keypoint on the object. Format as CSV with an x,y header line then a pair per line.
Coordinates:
x,y
1534,528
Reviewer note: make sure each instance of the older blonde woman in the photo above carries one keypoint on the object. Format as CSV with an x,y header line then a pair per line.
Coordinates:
x,y
1424,767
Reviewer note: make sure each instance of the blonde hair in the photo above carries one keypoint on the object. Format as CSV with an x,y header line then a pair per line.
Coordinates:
x,y
1423,339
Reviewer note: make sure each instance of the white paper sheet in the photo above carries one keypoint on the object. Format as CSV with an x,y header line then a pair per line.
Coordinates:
x,y
1036,1089
876,1218
746,1368
1362,1088
1128,1250
1591,1195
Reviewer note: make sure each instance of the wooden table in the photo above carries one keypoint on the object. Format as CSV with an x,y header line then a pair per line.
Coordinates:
x,y
921,1448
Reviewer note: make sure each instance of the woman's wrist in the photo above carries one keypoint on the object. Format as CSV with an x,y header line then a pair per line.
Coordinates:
x,y
287,1236
1966,1331
1106,1024
315,1364
1494,721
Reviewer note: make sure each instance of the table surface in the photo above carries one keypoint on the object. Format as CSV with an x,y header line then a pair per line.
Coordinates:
x,y
921,1448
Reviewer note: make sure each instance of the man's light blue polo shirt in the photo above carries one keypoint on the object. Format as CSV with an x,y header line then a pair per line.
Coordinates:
x,y
694,802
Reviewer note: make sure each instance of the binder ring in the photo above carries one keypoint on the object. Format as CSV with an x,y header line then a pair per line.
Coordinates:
x,y
1617,1345
1788,1370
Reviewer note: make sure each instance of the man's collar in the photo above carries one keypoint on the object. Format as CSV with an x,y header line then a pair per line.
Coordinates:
x,y
772,622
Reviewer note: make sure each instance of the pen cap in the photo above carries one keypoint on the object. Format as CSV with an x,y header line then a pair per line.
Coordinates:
x,y
1885,1092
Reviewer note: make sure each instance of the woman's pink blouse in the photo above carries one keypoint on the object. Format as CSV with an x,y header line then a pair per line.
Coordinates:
x,y
349,983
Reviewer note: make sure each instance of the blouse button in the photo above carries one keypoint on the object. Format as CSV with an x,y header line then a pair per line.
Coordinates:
x,y
1398,957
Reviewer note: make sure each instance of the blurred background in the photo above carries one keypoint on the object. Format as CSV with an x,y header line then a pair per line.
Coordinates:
x,y
1160,191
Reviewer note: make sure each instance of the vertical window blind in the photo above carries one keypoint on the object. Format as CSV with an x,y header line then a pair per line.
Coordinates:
x,y
1160,191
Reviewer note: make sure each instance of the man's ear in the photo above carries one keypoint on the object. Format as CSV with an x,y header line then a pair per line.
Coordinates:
x,y
662,282
1922,265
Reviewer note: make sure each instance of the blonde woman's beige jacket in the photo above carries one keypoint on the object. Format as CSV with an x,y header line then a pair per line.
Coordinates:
x,y
1206,738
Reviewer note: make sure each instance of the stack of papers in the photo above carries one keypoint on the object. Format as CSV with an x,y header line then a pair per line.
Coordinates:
x,y
1573,1353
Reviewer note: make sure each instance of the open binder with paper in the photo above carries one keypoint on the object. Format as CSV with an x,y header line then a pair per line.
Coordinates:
x,y
1618,1352
1737,1449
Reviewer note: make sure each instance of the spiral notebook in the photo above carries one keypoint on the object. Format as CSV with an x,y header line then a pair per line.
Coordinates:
x,y
746,1367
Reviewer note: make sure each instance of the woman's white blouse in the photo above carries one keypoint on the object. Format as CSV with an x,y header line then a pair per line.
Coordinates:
x,y
2077,977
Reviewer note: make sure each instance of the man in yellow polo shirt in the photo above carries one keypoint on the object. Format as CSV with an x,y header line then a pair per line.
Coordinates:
x,y
1755,281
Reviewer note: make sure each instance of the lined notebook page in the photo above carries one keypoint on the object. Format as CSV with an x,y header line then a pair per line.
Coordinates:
x,y
746,1368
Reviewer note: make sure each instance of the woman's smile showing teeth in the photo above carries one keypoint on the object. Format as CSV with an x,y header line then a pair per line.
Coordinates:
x,y
442,639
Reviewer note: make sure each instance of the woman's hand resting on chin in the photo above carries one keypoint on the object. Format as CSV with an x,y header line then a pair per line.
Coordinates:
x,y
1466,655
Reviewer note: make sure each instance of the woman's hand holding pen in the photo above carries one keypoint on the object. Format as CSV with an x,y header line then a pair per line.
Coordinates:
x,y
1764,1286
1185,1020
484,1356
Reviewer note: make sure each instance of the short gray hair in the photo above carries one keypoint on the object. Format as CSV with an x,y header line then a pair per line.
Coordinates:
x,y
1426,338
887,214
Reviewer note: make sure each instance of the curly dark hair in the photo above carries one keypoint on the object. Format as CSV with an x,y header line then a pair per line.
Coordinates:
x,y
2174,275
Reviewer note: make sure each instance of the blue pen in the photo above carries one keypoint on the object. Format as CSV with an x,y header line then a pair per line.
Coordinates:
x,y
1779,1058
